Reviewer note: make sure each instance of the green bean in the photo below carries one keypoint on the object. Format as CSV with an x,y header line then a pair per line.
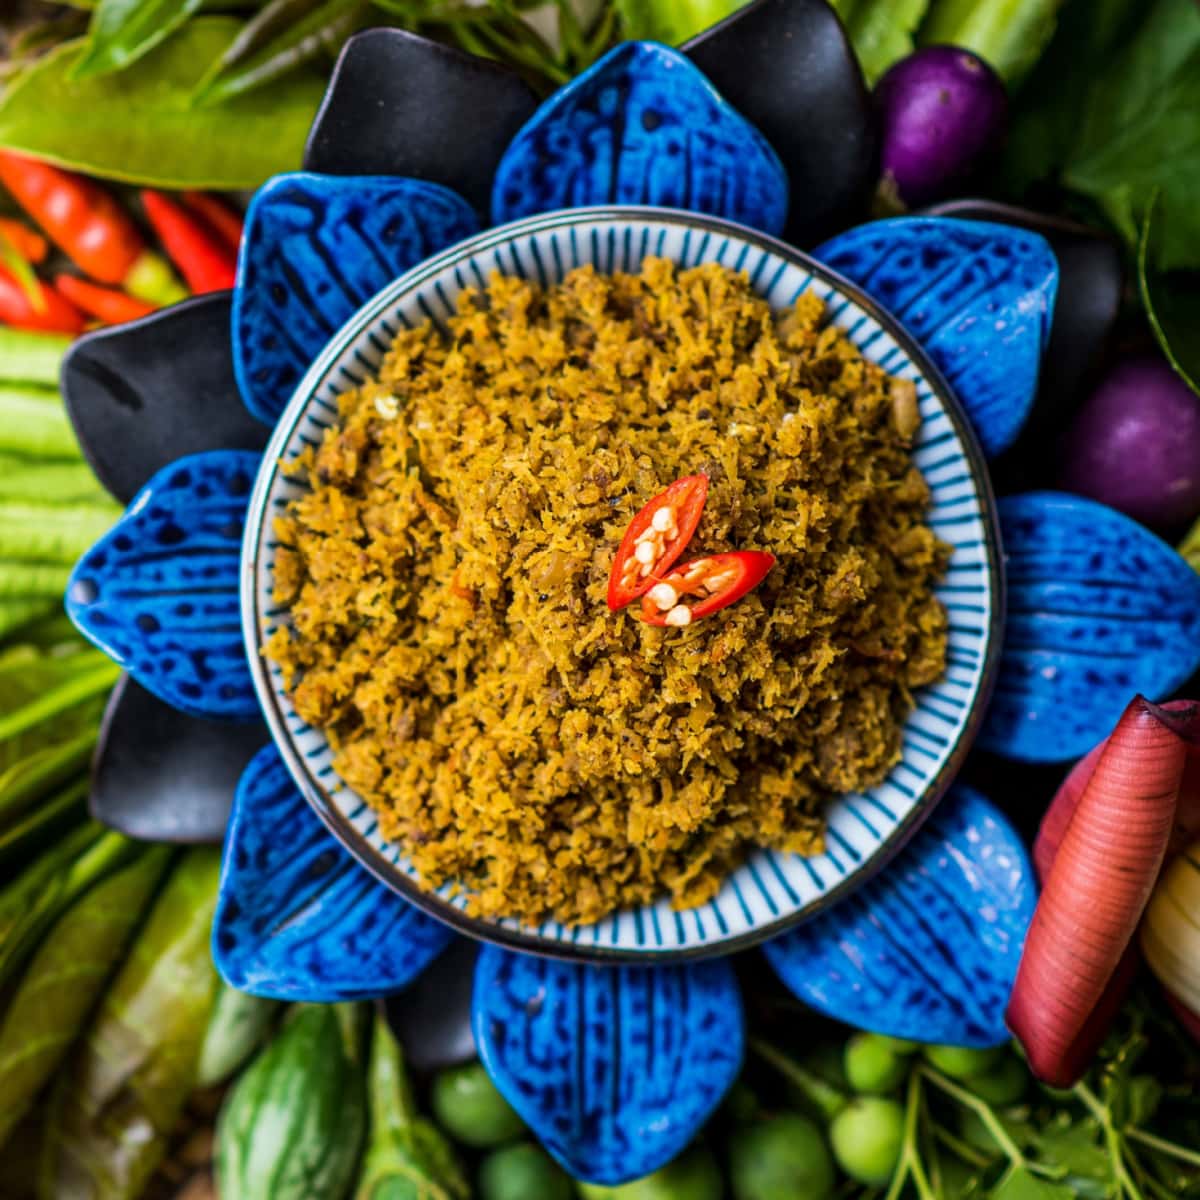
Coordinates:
x,y
33,421
52,532
27,357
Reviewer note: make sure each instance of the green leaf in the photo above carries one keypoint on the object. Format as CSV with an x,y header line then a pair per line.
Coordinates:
x,y
12,258
406,1154
1077,1145
140,125
1111,114
122,1090
1172,299
121,31
1010,35
321,31
1021,1184
50,885
671,21
882,32
64,979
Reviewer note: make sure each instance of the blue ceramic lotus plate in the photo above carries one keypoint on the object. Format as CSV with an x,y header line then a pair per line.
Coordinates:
x,y
771,890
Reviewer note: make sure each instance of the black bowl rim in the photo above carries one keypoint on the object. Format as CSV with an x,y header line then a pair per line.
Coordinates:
x,y
482,929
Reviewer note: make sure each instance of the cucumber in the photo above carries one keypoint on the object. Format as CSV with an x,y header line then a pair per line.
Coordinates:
x,y
293,1125
238,1025
33,421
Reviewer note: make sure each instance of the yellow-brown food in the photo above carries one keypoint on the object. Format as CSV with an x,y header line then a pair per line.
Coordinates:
x,y
446,576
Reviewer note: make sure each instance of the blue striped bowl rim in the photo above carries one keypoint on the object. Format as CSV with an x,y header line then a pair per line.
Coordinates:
x,y
771,890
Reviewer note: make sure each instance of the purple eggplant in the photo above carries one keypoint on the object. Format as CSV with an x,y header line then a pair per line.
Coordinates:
x,y
941,111
1135,444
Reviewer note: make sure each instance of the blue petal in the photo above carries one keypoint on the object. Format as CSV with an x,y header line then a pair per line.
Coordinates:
x,y
1099,609
297,917
159,592
929,948
642,126
614,1068
977,296
316,249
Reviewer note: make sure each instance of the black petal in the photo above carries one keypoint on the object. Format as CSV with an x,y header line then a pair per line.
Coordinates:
x,y
399,104
163,776
432,1016
144,394
787,66
1090,282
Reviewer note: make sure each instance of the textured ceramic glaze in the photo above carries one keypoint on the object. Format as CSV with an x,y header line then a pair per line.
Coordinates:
x,y
163,776
316,248
772,889
1098,610
614,1068
402,105
789,69
297,917
929,948
143,394
977,296
159,592
642,126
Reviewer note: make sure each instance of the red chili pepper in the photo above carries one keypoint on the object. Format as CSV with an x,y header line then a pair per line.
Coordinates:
x,y
29,245
207,263
89,226
220,216
105,304
653,542
718,580
54,312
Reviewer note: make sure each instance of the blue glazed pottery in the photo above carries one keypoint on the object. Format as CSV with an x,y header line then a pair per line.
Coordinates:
x,y
1099,610
159,592
663,1045
977,296
614,1067
315,250
929,948
642,126
318,927
772,890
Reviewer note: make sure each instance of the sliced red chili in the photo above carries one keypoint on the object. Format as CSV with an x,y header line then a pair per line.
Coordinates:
x,y
715,581
656,537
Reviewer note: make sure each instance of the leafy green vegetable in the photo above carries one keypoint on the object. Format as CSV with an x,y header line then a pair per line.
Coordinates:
x,y
140,125
321,31
26,833
46,889
123,1088
64,979
407,1156
57,482
1172,299
1111,115
881,31
1019,1183
1010,35
671,21
121,31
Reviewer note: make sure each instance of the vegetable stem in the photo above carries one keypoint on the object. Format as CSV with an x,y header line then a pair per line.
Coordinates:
x,y
825,1098
1161,1145
984,1112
